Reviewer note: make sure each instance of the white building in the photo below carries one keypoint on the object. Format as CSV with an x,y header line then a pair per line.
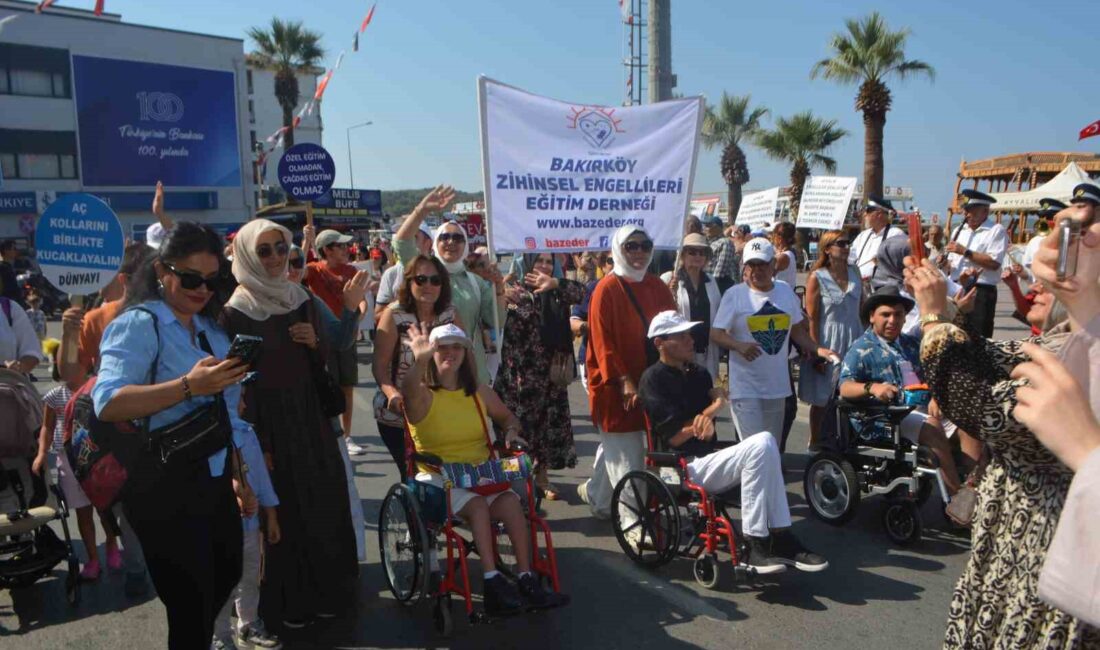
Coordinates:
x,y
92,104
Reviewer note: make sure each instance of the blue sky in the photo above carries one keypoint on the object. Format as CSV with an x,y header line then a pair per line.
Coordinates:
x,y
1012,76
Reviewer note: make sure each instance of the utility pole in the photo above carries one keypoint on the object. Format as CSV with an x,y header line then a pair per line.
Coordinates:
x,y
661,79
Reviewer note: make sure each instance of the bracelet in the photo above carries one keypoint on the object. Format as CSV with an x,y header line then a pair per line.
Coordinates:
x,y
928,319
186,387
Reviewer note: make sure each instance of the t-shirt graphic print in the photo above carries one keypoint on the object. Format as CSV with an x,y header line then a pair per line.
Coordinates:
x,y
770,326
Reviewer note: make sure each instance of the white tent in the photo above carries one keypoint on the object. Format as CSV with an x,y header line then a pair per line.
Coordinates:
x,y
1060,187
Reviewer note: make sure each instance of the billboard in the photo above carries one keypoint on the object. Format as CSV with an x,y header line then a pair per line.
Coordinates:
x,y
348,202
138,123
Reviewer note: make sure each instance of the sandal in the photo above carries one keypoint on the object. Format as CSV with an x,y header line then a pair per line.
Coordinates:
x,y
550,492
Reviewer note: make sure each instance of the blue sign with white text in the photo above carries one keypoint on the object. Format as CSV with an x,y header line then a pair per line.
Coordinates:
x,y
18,203
307,171
143,122
143,201
78,243
359,202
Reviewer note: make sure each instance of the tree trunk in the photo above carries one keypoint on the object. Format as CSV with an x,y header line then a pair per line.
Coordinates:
x,y
800,170
734,202
288,121
873,123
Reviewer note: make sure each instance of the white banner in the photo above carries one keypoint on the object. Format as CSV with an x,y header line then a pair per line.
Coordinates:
x,y
706,207
564,177
825,202
758,208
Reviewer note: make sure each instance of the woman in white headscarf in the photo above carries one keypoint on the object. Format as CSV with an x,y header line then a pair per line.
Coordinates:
x,y
472,297
312,571
619,350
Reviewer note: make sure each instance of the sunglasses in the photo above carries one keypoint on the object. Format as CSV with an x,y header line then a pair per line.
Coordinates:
x,y
635,246
297,262
337,245
421,280
190,280
842,243
608,262
455,237
694,251
267,250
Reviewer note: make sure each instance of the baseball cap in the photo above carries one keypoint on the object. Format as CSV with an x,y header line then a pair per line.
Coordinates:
x,y
448,334
154,235
328,237
758,250
669,322
426,231
713,221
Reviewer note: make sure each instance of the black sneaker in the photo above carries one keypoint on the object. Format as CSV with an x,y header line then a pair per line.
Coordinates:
x,y
536,597
760,558
501,597
787,549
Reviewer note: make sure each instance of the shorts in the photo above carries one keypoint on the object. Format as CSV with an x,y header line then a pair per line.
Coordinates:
x,y
70,487
459,496
911,426
343,365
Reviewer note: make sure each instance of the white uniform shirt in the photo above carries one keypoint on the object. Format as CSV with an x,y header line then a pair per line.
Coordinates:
x,y
1029,254
18,339
864,249
990,238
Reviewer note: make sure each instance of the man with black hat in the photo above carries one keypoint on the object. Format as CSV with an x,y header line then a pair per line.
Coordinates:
x,y
1087,194
880,364
723,265
878,212
980,244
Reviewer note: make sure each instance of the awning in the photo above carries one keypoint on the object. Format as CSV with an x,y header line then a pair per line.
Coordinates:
x,y
1060,187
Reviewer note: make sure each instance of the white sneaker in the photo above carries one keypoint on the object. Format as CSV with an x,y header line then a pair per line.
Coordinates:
x,y
634,538
354,449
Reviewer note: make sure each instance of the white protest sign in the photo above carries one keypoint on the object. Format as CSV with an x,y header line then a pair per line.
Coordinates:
x,y
758,208
825,202
563,176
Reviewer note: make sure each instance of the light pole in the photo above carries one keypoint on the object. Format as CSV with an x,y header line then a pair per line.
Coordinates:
x,y
351,170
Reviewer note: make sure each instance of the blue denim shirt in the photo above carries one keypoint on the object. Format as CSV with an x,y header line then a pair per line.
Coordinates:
x,y
872,358
126,357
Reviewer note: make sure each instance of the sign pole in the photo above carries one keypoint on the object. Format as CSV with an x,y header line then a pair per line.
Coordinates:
x,y
483,122
309,213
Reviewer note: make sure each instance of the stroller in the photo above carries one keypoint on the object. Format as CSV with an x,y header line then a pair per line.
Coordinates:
x,y
29,548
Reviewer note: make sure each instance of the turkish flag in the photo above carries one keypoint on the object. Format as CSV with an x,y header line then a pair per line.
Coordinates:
x,y
1090,130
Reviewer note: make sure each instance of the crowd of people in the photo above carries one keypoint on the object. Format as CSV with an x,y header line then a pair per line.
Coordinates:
x,y
464,354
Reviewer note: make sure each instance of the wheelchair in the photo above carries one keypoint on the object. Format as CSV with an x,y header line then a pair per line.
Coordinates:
x,y
846,469
416,516
678,518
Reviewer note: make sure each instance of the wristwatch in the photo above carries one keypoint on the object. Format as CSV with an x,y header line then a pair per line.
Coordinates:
x,y
968,253
928,319
867,388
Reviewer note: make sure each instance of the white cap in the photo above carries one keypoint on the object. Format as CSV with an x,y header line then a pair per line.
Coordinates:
x,y
758,250
426,231
670,322
449,333
327,237
154,235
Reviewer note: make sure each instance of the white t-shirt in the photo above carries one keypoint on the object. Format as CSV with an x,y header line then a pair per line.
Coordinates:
x,y
789,274
767,319
390,284
990,238
864,249
17,340
1032,247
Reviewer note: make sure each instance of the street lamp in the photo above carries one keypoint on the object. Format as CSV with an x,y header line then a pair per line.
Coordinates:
x,y
351,170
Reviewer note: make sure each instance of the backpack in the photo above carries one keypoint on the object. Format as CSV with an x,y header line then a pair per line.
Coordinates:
x,y
21,411
91,446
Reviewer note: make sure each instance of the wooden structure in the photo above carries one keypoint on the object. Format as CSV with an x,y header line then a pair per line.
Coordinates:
x,y
1015,173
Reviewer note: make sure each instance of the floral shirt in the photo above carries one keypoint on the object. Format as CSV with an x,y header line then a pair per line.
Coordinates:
x,y
873,358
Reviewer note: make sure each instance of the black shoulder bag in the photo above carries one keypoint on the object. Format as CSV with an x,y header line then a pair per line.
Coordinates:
x,y
195,436
651,354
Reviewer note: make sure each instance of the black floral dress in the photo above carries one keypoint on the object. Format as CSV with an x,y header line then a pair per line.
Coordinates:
x,y
523,381
996,601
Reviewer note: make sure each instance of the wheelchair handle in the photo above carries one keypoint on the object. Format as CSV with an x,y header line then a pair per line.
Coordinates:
x,y
514,449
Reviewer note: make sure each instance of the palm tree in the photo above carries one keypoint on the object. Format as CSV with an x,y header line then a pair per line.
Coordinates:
x,y
725,127
869,54
287,48
802,141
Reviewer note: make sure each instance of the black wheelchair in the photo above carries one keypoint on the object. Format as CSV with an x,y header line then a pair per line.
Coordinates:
x,y
845,469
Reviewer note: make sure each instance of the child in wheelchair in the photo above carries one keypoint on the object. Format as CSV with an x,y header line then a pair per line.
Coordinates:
x,y
446,409
680,400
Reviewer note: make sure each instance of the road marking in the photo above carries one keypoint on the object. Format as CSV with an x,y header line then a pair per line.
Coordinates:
x,y
679,596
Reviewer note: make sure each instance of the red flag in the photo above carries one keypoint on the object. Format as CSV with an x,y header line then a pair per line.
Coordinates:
x,y
45,4
1090,130
366,21
297,121
627,10
322,85
99,7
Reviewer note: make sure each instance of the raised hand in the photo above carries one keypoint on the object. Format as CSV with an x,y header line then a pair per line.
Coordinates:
x,y
158,202
1080,292
540,281
355,290
419,344
435,201
309,235
929,287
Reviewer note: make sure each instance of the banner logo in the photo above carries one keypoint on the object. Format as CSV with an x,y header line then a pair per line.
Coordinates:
x,y
597,125
530,242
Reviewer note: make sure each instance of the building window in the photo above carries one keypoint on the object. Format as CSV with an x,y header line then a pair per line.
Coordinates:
x,y
7,164
31,82
34,71
4,87
251,112
248,75
36,165
38,154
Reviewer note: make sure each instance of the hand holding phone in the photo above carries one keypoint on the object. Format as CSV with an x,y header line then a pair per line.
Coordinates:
x,y
246,348
916,237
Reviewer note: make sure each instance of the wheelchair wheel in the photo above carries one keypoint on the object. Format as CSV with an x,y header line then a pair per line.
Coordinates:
x,y
831,487
403,545
902,521
441,616
708,571
653,538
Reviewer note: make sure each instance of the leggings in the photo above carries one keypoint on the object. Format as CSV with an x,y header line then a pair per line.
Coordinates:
x,y
394,439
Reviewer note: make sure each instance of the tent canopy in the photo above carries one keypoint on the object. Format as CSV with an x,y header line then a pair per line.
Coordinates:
x,y
1060,187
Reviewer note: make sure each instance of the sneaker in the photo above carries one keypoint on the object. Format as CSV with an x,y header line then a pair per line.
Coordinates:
x,y
501,597
257,636
760,558
582,491
135,585
634,538
114,559
90,572
354,449
787,549
222,644
536,597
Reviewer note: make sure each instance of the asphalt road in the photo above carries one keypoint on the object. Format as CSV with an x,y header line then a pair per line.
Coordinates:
x,y
874,594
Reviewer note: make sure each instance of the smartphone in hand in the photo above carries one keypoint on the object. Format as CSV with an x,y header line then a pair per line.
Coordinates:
x,y
916,237
246,348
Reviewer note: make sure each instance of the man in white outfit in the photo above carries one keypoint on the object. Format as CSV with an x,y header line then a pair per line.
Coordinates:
x,y
681,402
878,213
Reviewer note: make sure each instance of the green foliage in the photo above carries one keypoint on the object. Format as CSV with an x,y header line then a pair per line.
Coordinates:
x,y
398,203
869,51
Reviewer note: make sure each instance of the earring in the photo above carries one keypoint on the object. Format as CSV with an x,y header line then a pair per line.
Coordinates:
x,y
160,287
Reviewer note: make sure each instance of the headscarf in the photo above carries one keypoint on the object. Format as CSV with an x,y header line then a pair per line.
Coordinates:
x,y
553,313
258,295
890,263
622,269
459,264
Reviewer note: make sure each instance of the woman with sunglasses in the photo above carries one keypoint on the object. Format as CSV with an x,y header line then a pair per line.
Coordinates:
x,y
698,296
578,320
312,571
424,299
834,295
163,357
619,351
472,297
